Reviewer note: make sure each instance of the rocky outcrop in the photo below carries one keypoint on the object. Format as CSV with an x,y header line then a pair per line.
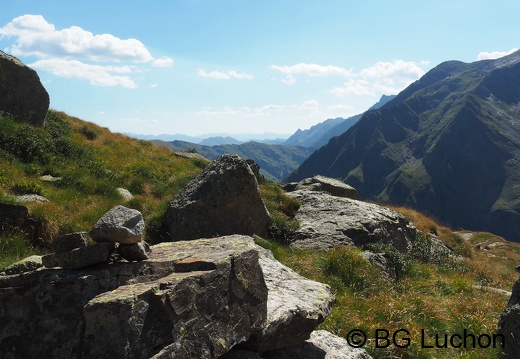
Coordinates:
x,y
509,323
224,199
189,299
295,306
21,93
192,299
327,220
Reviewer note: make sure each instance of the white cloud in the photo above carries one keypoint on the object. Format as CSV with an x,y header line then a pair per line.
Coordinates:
x,y
381,78
310,106
494,54
96,74
353,87
163,62
76,53
313,70
220,75
36,37
240,112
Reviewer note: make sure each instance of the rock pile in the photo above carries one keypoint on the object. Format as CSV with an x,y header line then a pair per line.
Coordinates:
x,y
119,231
21,93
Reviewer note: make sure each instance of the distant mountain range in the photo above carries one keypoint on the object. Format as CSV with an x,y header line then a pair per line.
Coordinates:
x,y
448,145
275,161
212,139
318,135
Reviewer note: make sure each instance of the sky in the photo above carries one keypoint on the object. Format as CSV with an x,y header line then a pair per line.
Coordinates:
x,y
199,67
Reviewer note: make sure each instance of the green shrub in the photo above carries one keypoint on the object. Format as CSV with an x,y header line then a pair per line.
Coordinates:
x,y
27,187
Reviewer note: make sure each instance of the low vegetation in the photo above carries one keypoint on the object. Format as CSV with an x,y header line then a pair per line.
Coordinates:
x,y
432,292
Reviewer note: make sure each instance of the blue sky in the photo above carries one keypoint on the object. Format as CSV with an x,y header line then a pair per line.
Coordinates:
x,y
229,66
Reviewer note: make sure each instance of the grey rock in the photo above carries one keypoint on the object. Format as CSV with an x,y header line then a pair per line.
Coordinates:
x,y
330,185
80,257
190,299
327,221
509,323
295,306
321,345
289,187
68,242
134,252
28,198
125,194
224,199
49,178
21,93
120,224
494,245
25,265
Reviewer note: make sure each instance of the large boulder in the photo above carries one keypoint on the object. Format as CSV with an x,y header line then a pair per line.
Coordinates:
x,y
193,299
509,323
21,93
327,221
224,199
295,306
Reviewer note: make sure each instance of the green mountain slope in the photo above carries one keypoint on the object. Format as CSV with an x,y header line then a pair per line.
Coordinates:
x,y
448,145
276,161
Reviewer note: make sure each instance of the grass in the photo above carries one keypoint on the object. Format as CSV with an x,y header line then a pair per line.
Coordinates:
x,y
92,163
13,248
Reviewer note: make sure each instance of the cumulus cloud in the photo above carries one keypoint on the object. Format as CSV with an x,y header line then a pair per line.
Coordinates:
x,y
70,52
494,54
240,112
220,75
385,77
36,37
96,74
163,62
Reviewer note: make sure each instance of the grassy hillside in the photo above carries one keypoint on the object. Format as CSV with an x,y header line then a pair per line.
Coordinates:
x,y
92,163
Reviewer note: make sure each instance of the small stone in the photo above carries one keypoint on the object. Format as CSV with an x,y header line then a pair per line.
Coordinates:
x,y
134,252
68,242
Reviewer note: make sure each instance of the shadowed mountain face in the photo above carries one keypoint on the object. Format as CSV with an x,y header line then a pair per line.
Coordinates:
x,y
448,145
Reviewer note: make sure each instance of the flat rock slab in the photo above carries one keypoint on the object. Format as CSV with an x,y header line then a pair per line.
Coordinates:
x,y
188,300
327,221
